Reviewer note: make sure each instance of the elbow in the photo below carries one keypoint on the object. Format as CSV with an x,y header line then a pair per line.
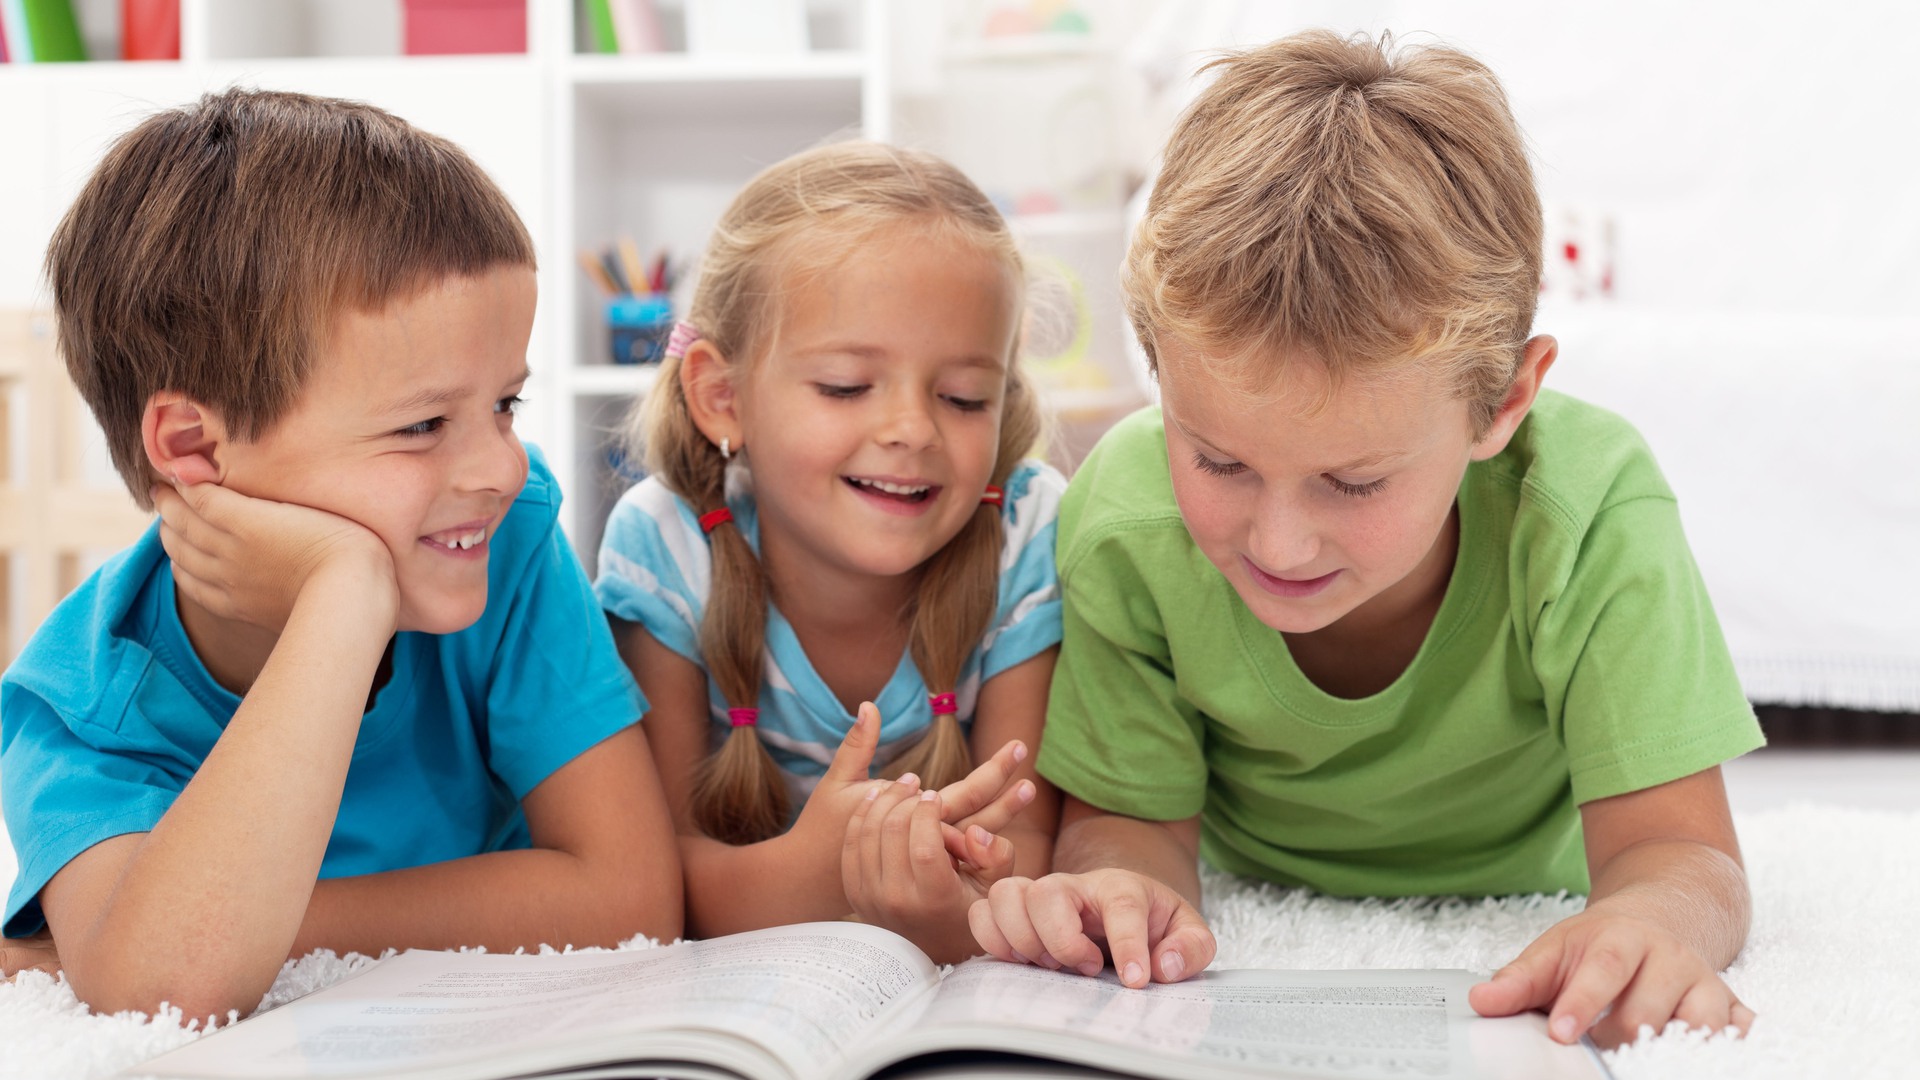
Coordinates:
x,y
207,996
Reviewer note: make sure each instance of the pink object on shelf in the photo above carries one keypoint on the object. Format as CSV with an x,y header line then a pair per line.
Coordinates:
x,y
439,27
149,29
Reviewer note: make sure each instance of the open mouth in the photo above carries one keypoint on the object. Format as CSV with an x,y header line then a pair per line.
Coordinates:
x,y
458,539
909,493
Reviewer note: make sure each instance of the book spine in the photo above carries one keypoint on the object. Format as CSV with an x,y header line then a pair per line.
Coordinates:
x,y
13,15
636,26
149,29
54,31
600,23
3,41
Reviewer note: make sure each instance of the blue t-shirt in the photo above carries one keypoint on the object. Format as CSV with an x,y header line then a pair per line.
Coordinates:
x,y
108,713
656,569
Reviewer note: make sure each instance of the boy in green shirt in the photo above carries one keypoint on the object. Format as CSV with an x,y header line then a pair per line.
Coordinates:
x,y
1360,608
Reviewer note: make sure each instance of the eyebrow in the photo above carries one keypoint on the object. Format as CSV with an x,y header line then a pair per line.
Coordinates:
x,y
1364,462
875,352
434,397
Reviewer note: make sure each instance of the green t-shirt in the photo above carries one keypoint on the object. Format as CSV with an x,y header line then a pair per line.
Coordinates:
x,y
1575,656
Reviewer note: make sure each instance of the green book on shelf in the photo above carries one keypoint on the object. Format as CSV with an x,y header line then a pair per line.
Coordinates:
x,y
54,31
599,26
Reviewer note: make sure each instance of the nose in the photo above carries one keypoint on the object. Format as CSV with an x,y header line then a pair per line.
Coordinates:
x,y
1283,535
495,462
908,423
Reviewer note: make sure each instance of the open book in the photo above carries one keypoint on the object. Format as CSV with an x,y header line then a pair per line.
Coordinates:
x,y
843,1001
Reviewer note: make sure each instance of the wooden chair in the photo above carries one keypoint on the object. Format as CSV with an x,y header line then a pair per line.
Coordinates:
x,y
50,518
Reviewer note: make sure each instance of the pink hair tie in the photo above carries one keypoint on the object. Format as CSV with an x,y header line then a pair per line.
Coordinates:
x,y
682,339
944,704
743,717
713,519
993,497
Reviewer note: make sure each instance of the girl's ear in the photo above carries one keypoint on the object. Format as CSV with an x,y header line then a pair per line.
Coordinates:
x,y
1540,355
713,400
184,439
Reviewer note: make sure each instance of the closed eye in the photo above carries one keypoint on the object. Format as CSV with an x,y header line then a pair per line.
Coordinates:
x,y
1217,468
1358,491
844,393
966,404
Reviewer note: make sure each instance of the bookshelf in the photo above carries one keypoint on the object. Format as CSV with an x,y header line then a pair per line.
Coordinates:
x,y
587,146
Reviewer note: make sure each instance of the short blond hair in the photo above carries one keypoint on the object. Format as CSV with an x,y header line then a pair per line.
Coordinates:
x,y
1371,207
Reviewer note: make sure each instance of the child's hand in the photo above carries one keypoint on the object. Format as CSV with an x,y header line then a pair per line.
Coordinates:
x,y
249,559
1061,921
34,953
823,819
905,868
1595,960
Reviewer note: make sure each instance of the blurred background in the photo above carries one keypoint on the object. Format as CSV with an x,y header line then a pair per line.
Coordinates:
x,y
1731,246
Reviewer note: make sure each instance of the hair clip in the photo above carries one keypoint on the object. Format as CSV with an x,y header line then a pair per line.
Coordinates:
x,y
993,497
743,717
713,519
683,336
943,704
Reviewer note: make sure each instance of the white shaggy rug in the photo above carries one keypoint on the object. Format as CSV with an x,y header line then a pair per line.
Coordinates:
x,y
1830,967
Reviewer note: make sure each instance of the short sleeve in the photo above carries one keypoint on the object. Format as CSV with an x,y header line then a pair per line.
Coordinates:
x,y
1120,735
655,567
1637,676
1027,617
63,791
557,685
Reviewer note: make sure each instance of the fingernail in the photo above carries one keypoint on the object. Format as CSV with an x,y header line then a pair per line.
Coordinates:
x,y
929,795
1090,968
1132,975
1024,792
1020,956
979,835
1019,751
909,779
1172,964
1563,1029
873,792
1047,961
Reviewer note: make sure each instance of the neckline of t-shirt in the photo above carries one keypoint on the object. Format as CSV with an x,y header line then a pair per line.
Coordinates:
x,y
1267,652
173,649
896,697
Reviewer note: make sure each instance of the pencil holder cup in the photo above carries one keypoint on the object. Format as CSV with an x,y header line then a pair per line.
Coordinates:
x,y
640,326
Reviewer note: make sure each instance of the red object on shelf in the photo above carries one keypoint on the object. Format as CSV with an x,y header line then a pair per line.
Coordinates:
x,y
149,29
439,27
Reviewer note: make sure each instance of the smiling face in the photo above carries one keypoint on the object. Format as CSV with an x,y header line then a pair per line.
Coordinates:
x,y
873,424
1316,513
405,425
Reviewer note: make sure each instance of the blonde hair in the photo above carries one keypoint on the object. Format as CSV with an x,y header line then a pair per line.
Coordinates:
x,y
1367,206
803,215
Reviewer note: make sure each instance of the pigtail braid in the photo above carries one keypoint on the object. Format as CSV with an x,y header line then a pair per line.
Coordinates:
x,y
959,592
739,796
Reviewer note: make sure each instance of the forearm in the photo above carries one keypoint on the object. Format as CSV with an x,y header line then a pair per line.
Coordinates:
x,y
503,900
1694,891
1032,849
205,908
1147,848
771,883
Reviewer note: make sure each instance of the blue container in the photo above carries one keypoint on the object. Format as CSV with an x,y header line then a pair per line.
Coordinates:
x,y
640,326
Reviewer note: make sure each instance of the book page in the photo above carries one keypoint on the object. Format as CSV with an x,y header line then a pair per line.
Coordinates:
x,y
1352,1025
787,1001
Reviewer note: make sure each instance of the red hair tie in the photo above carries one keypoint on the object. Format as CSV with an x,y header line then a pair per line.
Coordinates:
x,y
743,717
993,497
944,704
713,519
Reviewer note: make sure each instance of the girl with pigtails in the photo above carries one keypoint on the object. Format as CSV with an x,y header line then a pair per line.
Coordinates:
x,y
836,586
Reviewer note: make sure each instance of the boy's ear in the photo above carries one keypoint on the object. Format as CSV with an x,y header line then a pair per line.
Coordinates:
x,y
1541,352
184,439
712,398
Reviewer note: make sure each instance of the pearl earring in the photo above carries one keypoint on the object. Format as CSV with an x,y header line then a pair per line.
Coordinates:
x,y
726,453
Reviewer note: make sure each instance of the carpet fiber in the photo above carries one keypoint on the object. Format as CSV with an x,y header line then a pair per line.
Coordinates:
x,y
1829,967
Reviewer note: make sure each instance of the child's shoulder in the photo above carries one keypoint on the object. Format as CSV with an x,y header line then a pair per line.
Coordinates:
x,y
1122,487
95,639
1574,461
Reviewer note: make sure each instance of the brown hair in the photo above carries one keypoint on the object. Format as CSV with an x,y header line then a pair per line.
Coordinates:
x,y
210,251
799,216
1335,196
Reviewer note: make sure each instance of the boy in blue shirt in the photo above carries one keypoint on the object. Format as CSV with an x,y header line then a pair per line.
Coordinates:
x,y
353,690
